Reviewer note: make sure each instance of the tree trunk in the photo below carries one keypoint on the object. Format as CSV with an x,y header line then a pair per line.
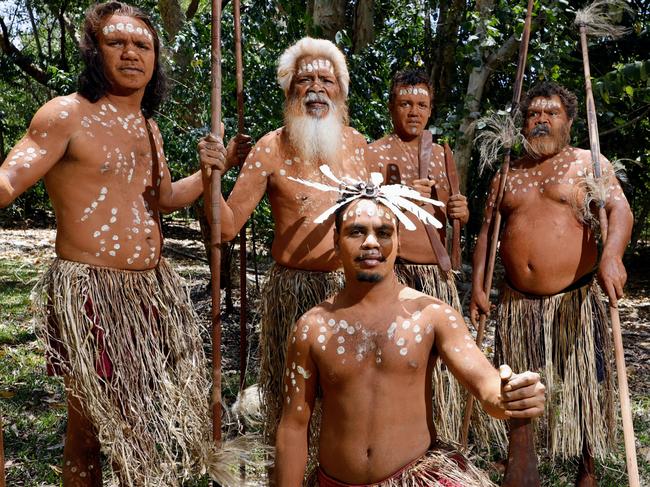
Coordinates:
x,y
64,56
364,27
442,57
17,57
35,30
329,17
479,76
172,16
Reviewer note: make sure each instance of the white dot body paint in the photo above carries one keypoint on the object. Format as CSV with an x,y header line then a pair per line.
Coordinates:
x,y
340,350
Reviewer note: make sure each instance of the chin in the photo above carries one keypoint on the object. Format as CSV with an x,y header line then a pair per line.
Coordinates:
x,y
371,277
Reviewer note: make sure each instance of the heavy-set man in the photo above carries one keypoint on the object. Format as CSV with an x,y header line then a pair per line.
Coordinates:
x,y
551,318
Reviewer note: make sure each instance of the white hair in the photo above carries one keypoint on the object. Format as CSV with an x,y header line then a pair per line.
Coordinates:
x,y
308,46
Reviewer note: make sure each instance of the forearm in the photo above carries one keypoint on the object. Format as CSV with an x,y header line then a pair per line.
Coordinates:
x,y
619,231
184,192
290,455
478,260
489,397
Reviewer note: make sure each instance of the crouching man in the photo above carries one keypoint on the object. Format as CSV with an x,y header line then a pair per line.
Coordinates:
x,y
371,349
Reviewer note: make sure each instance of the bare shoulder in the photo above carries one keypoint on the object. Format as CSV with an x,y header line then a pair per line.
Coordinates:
x,y
438,150
357,138
432,309
305,329
379,144
268,149
60,115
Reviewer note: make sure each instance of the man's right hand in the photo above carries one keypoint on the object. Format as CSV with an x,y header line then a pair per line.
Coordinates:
x,y
212,154
423,186
479,304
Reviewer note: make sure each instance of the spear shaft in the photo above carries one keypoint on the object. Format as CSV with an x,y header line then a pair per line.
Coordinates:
x,y
215,226
243,311
619,354
496,220
2,457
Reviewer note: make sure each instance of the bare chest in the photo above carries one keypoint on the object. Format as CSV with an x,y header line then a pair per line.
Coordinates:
x,y
347,351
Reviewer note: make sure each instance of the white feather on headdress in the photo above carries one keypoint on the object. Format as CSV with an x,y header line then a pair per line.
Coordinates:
x,y
394,196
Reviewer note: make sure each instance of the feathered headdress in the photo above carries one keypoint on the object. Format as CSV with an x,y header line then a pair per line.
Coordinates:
x,y
394,196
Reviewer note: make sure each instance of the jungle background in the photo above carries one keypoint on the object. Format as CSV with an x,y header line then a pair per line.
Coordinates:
x,y
468,47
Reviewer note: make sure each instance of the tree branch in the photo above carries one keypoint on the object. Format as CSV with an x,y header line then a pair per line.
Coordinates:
x,y
23,62
620,127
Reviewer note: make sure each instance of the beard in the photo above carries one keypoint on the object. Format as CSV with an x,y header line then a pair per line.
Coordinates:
x,y
542,142
315,138
369,277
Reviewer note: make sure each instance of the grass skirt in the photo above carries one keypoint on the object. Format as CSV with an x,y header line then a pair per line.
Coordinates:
x,y
130,344
439,467
566,339
448,395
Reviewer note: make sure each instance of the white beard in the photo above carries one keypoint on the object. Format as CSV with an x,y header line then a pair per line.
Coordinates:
x,y
316,139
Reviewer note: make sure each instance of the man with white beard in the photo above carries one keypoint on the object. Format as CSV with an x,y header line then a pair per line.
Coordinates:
x,y
314,77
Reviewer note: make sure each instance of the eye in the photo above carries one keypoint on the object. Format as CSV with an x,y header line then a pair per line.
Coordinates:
x,y
142,45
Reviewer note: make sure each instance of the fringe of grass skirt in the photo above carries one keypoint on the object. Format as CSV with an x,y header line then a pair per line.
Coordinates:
x,y
137,364
439,467
565,338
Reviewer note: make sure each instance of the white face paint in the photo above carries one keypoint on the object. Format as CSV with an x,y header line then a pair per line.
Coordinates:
x,y
541,103
413,90
111,27
315,65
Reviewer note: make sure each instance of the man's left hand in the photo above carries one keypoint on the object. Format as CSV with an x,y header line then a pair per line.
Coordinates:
x,y
457,208
237,151
612,276
522,395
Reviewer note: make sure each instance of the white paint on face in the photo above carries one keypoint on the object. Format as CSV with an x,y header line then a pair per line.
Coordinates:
x,y
413,90
541,103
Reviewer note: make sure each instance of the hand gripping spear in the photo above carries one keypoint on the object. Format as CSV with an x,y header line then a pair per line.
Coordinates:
x,y
215,227
521,470
594,20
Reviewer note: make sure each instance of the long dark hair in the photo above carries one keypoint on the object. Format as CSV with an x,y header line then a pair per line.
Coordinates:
x,y
92,81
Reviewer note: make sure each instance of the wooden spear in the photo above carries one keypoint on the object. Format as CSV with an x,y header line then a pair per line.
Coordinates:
x,y
624,395
2,456
496,220
215,227
243,337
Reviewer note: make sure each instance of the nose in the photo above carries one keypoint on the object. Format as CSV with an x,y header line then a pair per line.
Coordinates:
x,y
370,241
316,86
129,51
